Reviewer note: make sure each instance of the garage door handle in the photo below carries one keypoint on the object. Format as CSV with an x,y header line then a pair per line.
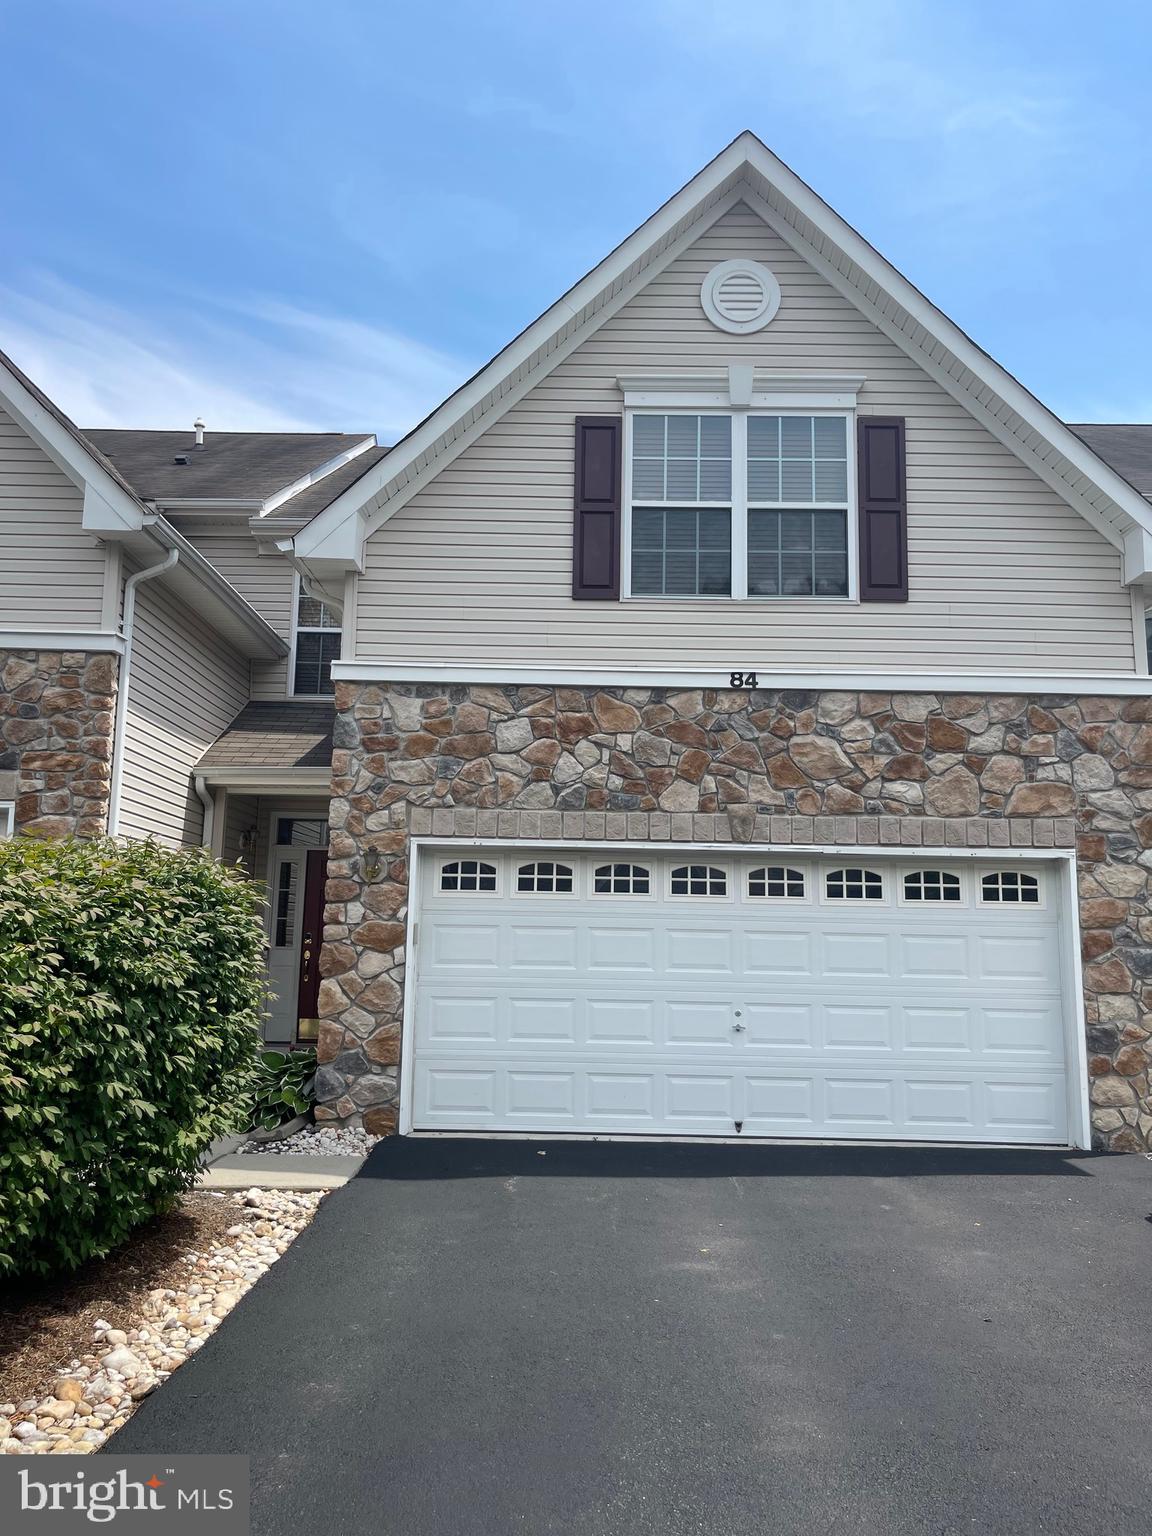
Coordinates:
x,y
739,1027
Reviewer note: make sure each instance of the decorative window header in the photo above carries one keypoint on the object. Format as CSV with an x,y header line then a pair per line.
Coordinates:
x,y
741,386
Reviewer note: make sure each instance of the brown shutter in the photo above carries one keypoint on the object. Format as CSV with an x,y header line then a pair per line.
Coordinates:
x,y
596,522
883,500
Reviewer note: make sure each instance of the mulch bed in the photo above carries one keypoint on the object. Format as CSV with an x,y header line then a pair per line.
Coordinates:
x,y
46,1324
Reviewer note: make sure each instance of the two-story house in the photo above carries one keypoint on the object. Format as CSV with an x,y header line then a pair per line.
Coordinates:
x,y
743,723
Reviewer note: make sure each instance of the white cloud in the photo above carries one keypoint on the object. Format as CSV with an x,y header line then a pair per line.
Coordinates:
x,y
261,365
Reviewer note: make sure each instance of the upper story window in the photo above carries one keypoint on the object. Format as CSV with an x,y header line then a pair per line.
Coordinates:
x,y
317,645
740,505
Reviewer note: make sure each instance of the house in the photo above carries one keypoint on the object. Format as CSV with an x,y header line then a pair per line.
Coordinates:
x,y
743,723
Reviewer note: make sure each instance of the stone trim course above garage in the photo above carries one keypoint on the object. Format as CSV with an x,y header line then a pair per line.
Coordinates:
x,y
759,767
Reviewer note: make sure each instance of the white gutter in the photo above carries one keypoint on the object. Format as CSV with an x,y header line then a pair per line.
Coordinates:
x,y
208,801
115,786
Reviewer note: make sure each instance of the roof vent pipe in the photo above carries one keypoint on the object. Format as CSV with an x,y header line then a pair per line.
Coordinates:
x,y
198,424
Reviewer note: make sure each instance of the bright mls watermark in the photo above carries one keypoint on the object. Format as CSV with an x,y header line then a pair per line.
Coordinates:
x,y
157,1494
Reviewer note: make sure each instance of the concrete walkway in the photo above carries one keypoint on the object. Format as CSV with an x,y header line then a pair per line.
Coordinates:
x,y
555,1339
270,1170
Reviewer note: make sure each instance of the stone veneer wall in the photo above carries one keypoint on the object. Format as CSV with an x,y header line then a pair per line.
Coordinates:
x,y
56,726
893,770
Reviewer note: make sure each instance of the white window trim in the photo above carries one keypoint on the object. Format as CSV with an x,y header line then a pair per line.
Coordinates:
x,y
809,878
1012,906
867,867
290,681
694,403
7,818
904,900
727,895
649,869
518,866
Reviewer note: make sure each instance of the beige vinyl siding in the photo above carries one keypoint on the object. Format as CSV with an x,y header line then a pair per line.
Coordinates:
x,y
186,685
477,567
51,571
266,581
241,814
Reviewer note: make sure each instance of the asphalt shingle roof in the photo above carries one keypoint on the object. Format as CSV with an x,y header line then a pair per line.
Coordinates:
x,y
241,464
1126,447
274,735
315,498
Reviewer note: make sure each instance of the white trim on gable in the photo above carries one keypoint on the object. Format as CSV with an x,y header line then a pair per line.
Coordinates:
x,y
746,171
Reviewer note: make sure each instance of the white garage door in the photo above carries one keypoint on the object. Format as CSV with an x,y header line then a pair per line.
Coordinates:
x,y
721,994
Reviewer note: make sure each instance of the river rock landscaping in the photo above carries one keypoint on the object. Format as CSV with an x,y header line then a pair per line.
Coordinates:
x,y
318,1141
83,1404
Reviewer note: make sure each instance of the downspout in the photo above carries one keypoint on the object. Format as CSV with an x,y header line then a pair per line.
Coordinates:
x,y
208,801
126,626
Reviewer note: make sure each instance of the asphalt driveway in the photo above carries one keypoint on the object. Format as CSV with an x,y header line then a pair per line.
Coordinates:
x,y
484,1337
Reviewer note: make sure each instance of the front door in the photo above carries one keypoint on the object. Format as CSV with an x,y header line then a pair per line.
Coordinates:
x,y
296,877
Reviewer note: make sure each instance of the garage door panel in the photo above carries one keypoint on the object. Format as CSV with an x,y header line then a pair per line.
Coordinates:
x,y
623,1021
540,1020
463,945
630,948
936,1030
1031,1032
781,1026
935,956
544,1094
454,1018
855,1028
859,954
778,952
537,948
857,1019
1015,959
699,951
699,1024
940,1104
627,1096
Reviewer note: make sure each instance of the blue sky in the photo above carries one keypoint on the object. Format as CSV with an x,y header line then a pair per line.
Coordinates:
x,y
327,213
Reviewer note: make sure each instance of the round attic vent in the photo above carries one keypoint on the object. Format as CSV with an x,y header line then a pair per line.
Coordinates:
x,y
740,296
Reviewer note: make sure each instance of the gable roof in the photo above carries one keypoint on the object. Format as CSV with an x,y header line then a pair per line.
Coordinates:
x,y
746,171
113,511
1127,446
232,466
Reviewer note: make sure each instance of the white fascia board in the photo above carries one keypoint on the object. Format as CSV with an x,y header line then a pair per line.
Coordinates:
x,y
112,507
270,780
1137,557
745,153
315,539
108,519
219,593
321,472
61,640
921,310
843,679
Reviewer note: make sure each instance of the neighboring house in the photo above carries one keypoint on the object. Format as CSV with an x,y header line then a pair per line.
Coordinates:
x,y
743,722
162,671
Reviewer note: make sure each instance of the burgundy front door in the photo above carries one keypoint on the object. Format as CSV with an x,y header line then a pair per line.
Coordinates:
x,y
311,933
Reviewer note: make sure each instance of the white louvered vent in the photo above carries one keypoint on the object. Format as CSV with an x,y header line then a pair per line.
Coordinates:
x,y
740,296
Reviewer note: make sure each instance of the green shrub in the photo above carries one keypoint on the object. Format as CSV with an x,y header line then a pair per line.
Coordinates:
x,y
282,1087
130,1000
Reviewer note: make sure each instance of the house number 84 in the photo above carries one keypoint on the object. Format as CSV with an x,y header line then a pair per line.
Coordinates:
x,y
742,680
